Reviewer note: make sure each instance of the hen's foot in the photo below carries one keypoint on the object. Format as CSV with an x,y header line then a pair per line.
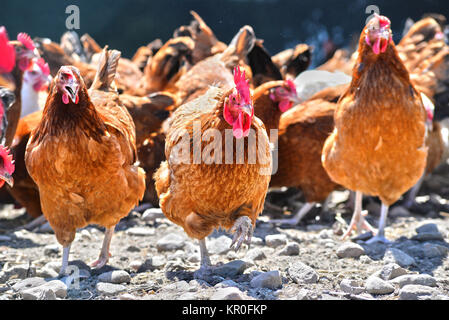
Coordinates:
x,y
378,238
358,224
243,232
101,262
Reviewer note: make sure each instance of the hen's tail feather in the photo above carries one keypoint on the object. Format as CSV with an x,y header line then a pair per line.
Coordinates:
x,y
242,43
107,67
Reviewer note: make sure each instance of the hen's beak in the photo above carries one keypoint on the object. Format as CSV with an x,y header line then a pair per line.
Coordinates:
x,y
248,109
72,91
7,178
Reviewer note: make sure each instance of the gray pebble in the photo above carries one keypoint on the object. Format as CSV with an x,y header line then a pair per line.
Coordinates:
x,y
428,228
351,286
291,249
375,285
418,279
152,214
170,242
231,269
416,292
28,284
18,272
220,245
226,284
255,254
46,273
393,255
109,289
51,249
271,280
230,293
158,262
139,231
58,287
116,276
350,250
391,271
5,238
301,273
427,236
276,240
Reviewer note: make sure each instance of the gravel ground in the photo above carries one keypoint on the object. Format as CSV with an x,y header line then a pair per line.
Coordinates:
x,y
154,259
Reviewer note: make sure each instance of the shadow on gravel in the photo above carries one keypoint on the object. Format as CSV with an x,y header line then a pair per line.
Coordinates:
x,y
18,243
420,255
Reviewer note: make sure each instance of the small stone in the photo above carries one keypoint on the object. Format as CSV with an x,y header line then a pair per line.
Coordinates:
x,y
226,284
220,245
5,238
17,272
28,284
428,228
270,280
232,255
152,214
231,269
351,286
365,259
256,241
291,249
301,273
230,293
350,250
51,249
427,236
416,292
393,255
415,279
303,294
375,285
431,250
133,249
170,242
325,234
141,232
116,276
158,261
128,296
135,265
85,234
58,287
391,271
399,211
109,289
276,240
255,254
46,273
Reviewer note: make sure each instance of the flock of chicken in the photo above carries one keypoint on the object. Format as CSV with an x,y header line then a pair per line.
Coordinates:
x,y
86,134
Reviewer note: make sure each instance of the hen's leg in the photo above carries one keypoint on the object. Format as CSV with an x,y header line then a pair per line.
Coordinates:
x,y
243,232
413,193
65,260
298,216
34,224
206,267
104,254
380,235
358,221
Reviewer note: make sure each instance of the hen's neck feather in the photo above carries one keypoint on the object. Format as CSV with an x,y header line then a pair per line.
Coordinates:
x,y
59,118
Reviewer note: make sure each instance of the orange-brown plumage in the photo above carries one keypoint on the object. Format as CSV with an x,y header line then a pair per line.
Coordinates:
x,y
202,197
82,154
378,145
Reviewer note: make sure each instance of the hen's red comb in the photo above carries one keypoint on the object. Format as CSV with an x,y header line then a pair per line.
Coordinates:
x,y
242,84
7,52
383,21
8,161
26,40
43,66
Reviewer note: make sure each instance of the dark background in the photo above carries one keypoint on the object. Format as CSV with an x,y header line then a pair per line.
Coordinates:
x,y
126,25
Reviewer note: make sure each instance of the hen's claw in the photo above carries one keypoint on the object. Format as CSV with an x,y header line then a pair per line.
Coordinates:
x,y
242,228
101,262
